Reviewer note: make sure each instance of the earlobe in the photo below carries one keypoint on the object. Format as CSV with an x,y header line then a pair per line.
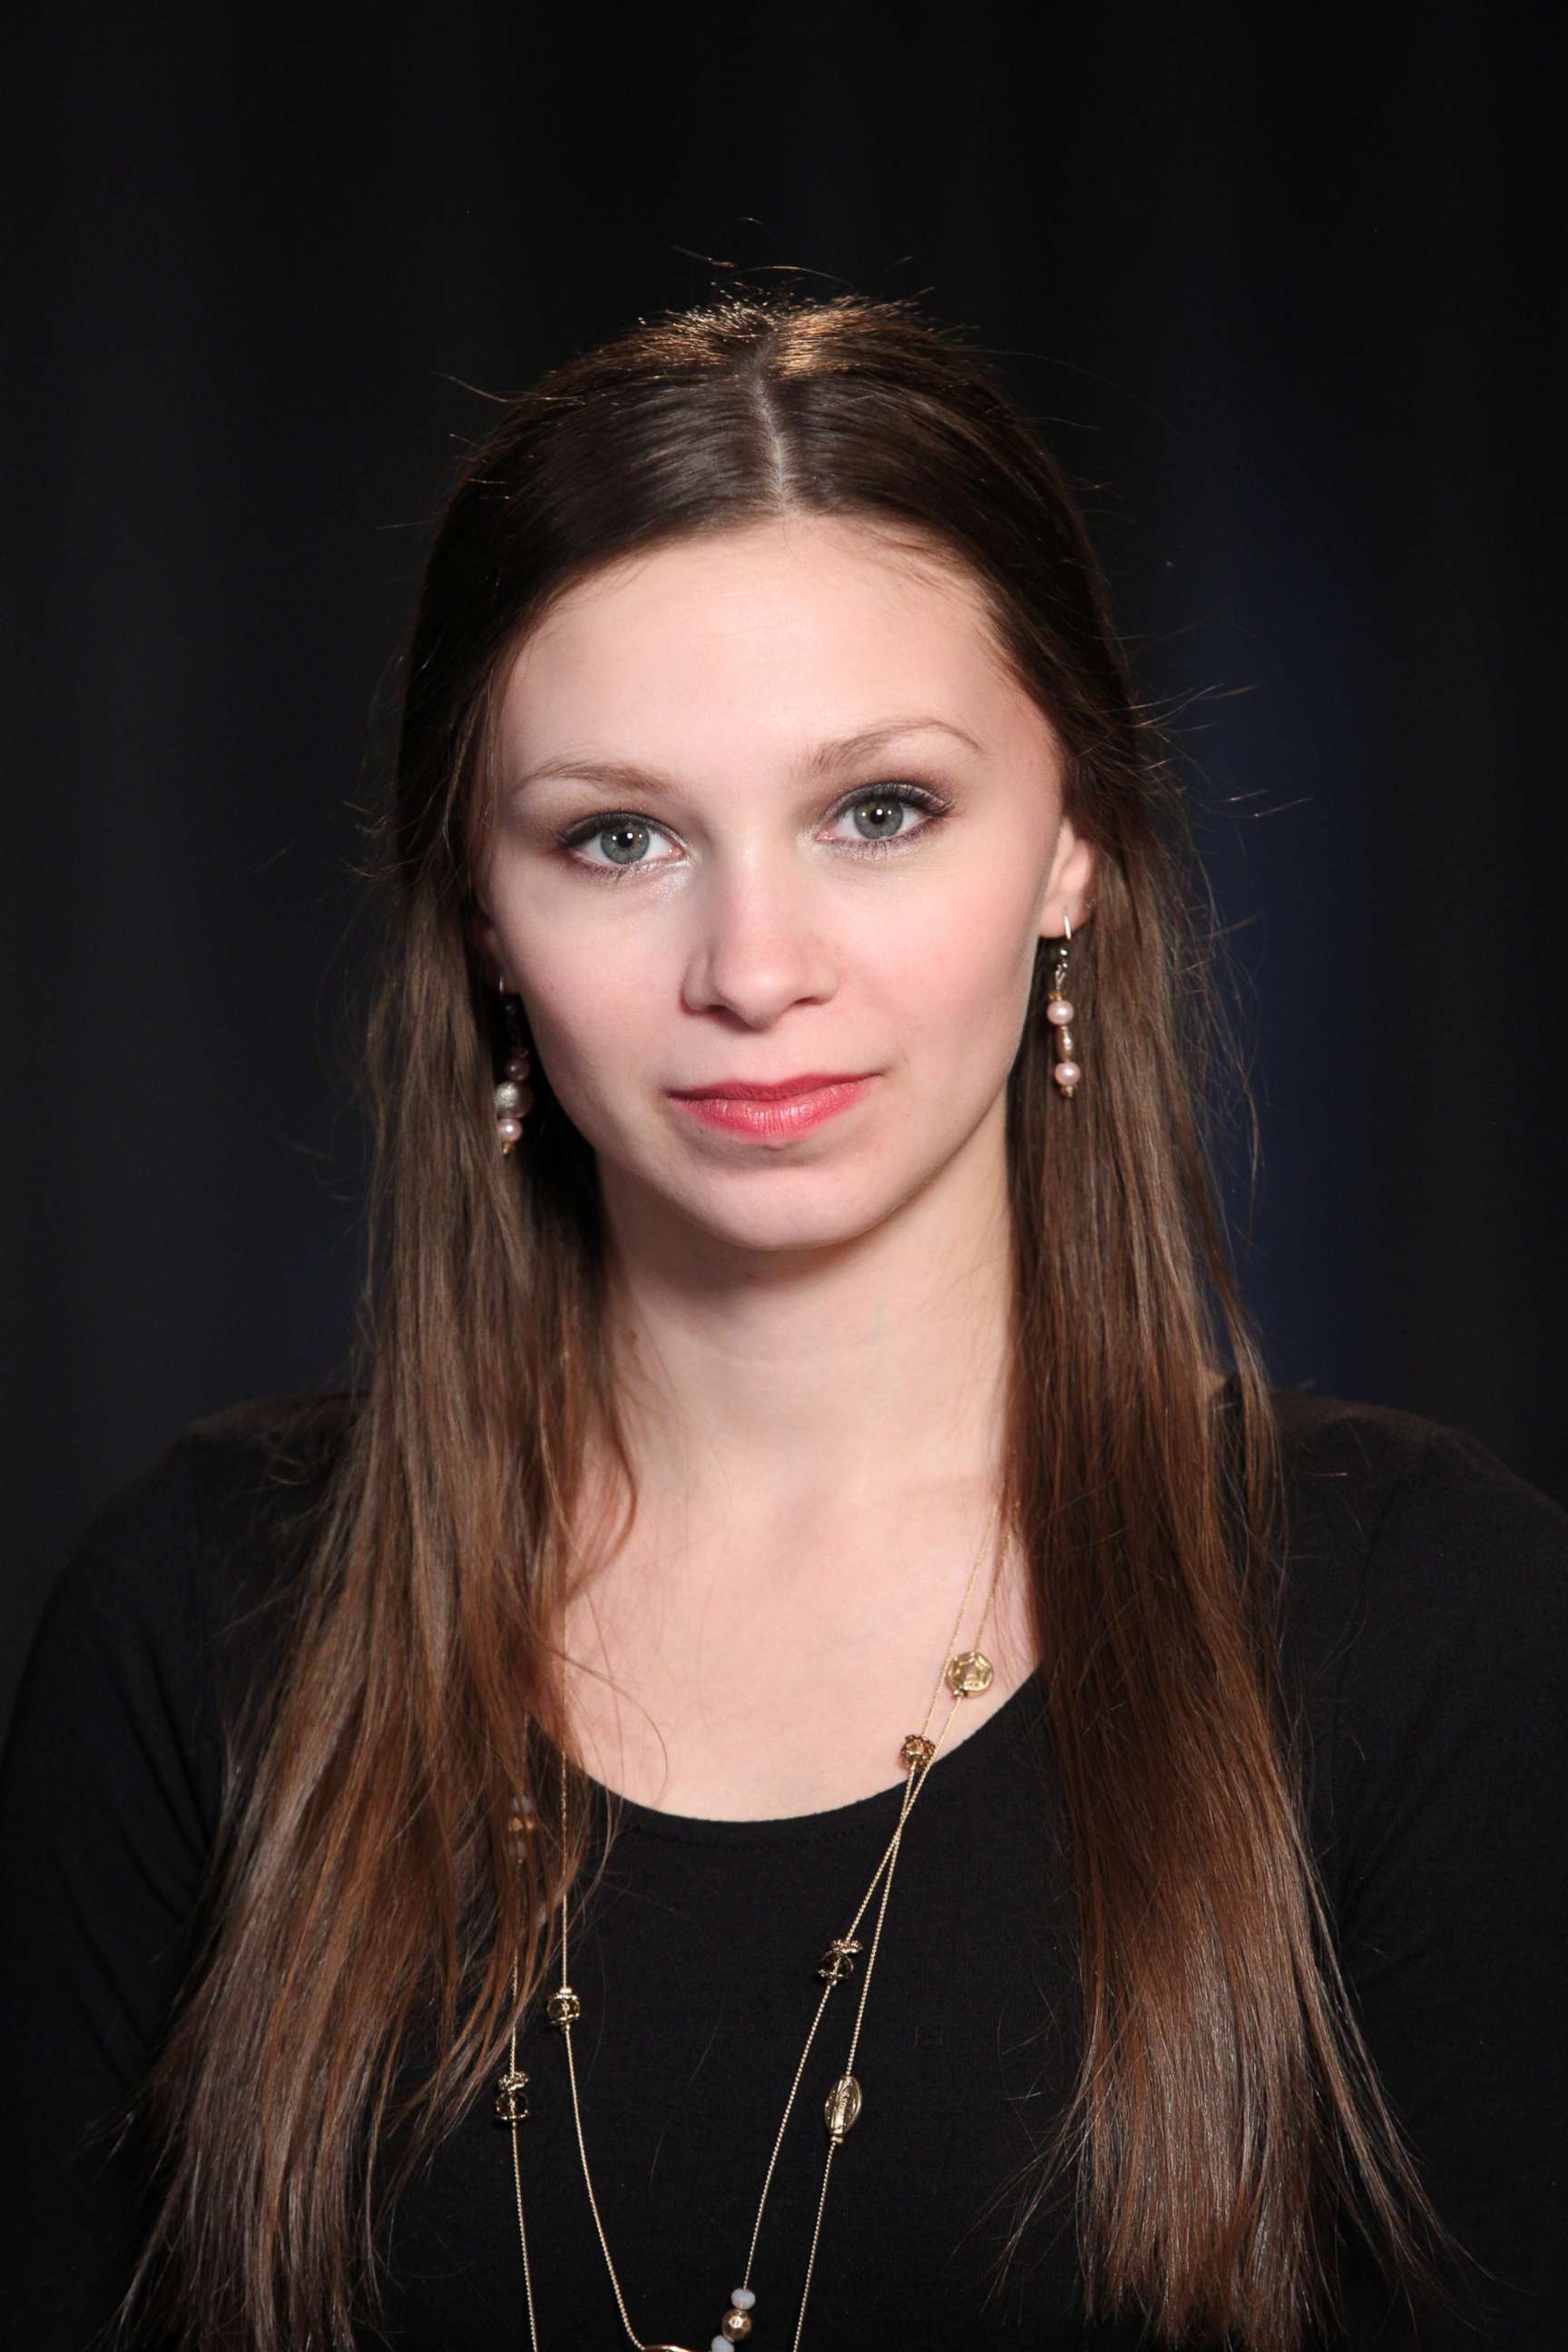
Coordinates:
x,y
1067,898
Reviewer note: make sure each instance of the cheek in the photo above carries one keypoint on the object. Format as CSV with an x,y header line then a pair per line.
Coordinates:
x,y
594,1020
580,1016
955,977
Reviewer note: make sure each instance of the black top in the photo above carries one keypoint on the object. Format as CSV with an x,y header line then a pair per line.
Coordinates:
x,y
1426,1632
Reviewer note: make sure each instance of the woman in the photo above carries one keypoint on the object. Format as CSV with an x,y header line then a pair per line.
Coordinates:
x,y
809,1752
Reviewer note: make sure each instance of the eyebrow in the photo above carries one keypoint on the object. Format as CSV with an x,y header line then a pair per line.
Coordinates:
x,y
827,760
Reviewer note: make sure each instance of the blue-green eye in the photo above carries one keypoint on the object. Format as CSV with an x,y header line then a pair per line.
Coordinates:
x,y
626,840
879,816
879,813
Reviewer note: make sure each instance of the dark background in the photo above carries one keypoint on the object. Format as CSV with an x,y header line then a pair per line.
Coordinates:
x,y
1291,294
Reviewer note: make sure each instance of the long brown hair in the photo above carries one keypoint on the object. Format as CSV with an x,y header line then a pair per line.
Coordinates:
x,y
1225,2109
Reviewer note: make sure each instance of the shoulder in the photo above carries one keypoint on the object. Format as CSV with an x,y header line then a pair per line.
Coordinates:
x,y
220,1495
1401,1513
254,1476
165,1598
1426,1619
1434,1581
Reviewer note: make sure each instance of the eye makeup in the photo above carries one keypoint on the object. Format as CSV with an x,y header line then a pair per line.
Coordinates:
x,y
933,807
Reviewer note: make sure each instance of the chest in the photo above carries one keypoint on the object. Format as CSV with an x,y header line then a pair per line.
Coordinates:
x,y
780,1696
695,1959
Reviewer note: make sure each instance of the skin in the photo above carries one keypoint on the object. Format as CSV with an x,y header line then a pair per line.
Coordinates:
x,y
810,1334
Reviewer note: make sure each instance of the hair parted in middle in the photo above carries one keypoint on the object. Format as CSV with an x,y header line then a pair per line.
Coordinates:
x,y
1225,2108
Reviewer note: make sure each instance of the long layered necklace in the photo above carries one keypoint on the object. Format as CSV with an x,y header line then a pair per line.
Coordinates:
x,y
966,1672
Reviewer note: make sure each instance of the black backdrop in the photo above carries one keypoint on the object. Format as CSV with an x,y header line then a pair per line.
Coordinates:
x,y
1289,290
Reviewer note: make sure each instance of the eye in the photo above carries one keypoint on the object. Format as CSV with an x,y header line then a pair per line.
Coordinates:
x,y
879,810
626,840
880,815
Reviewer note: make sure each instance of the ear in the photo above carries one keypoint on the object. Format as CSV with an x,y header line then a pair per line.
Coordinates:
x,y
1070,886
485,941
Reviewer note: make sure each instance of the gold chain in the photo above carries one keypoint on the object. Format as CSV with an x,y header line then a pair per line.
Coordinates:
x,y
964,1673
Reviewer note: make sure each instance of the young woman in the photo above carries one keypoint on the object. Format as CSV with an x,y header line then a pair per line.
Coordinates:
x,y
808,1752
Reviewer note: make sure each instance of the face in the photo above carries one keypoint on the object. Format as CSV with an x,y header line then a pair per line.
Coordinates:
x,y
695,875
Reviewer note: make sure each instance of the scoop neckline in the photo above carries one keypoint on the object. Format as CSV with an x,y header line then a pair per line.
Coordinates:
x,y
832,1821
836,1821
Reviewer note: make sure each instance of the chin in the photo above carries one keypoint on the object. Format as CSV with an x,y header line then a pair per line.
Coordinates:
x,y
823,1208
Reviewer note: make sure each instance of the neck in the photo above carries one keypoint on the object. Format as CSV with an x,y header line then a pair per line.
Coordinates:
x,y
816,1383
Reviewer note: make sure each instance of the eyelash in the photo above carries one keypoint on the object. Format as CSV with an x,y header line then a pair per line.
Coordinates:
x,y
931,806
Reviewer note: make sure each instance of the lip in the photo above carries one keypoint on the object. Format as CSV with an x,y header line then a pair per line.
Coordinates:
x,y
772,1113
750,1090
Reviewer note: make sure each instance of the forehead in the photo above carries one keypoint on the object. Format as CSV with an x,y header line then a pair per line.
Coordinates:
x,y
785,628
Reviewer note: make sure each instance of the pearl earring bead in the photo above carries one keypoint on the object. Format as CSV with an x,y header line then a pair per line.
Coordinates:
x,y
1061,1012
513,1100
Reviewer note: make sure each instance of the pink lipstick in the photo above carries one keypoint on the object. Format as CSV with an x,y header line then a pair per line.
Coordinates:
x,y
772,1113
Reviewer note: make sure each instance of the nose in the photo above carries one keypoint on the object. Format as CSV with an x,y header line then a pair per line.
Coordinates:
x,y
759,946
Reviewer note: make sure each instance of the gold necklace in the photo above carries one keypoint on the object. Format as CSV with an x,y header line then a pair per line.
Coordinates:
x,y
966,1674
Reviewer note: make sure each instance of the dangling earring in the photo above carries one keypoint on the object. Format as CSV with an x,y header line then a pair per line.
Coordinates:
x,y
1059,1012
514,1096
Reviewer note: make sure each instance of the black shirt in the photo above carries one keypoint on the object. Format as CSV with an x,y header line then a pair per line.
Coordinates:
x,y
1427,1634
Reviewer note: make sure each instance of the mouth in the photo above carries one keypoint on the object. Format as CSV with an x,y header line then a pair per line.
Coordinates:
x,y
778,1091
772,1113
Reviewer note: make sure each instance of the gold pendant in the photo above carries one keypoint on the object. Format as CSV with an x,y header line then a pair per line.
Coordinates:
x,y
511,2098
969,1672
837,1962
841,2107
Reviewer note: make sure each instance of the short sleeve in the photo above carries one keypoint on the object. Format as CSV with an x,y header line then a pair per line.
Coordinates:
x,y
1450,1770
107,1793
